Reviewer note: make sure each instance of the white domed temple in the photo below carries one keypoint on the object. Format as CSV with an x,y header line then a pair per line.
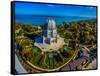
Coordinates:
x,y
49,38
49,32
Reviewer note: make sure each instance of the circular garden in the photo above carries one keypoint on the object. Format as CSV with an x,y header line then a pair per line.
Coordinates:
x,y
44,60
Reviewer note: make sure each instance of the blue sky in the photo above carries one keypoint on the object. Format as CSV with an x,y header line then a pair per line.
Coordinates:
x,y
54,10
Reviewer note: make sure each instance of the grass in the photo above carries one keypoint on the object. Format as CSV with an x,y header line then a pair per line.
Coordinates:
x,y
48,59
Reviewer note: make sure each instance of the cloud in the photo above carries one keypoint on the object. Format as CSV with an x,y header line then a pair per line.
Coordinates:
x,y
90,7
50,5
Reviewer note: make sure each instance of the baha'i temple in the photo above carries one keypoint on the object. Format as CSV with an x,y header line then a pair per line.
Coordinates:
x,y
49,33
49,39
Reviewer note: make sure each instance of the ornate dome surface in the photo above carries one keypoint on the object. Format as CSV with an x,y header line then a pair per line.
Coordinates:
x,y
51,24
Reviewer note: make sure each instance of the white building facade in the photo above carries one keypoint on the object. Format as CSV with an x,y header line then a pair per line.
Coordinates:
x,y
49,33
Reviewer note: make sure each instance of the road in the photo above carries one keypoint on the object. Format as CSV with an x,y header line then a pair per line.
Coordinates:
x,y
74,64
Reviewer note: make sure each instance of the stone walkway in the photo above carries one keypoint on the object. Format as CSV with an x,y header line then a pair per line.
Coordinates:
x,y
52,46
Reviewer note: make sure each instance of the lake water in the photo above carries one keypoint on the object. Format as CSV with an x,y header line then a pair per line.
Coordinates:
x,y
39,20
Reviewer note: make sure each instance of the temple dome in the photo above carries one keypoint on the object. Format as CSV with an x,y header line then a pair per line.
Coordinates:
x,y
51,24
49,33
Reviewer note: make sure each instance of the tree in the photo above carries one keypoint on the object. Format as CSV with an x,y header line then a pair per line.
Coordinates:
x,y
87,37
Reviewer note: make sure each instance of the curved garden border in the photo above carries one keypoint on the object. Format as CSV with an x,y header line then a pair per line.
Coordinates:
x,y
49,70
